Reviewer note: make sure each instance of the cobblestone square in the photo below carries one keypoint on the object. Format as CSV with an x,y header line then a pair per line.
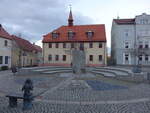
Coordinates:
x,y
69,94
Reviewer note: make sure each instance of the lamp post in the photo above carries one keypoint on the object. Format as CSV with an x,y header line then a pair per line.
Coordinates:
x,y
136,67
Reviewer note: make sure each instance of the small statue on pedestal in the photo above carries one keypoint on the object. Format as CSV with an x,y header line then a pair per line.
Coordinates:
x,y
28,97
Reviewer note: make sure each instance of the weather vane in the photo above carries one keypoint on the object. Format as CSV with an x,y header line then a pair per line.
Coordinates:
x,y
70,6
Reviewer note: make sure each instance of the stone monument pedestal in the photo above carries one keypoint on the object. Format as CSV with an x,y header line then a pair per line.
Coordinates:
x,y
78,61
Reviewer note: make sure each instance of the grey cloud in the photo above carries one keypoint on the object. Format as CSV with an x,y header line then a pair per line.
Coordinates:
x,y
34,18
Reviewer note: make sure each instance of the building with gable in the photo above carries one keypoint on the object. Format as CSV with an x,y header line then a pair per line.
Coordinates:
x,y
130,41
58,44
25,53
5,48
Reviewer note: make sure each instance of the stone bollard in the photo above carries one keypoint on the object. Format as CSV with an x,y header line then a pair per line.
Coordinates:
x,y
27,96
14,69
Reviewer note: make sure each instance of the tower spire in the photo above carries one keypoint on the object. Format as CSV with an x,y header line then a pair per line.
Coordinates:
x,y
70,19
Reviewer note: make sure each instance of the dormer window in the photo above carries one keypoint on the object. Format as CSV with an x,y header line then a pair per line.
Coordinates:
x,y
71,34
89,34
55,35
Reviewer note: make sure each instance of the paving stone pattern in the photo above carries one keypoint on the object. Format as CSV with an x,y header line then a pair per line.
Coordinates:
x,y
99,85
44,107
68,95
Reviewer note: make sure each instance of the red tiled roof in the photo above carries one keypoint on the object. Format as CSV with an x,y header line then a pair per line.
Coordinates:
x,y
38,48
80,34
124,21
24,44
4,33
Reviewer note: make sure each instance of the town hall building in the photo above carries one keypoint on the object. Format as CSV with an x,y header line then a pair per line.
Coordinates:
x,y
59,44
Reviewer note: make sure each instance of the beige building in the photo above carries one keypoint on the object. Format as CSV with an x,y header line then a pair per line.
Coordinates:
x,y
24,53
58,44
5,48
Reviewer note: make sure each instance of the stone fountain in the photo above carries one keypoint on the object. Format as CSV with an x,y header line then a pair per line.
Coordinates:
x,y
78,61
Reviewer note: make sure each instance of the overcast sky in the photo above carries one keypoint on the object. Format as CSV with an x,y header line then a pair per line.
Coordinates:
x,y
33,18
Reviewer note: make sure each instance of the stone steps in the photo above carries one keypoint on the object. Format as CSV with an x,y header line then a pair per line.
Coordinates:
x,y
116,72
45,70
104,73
116,69
58,71
51,69
44,67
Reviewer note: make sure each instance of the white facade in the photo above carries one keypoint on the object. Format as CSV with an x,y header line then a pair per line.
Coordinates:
x,y
131,40
5,52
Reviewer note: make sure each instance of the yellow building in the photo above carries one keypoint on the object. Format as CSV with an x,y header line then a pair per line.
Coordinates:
x,y
24,53
58,44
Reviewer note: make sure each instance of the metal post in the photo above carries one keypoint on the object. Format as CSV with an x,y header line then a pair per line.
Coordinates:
x,y
136,67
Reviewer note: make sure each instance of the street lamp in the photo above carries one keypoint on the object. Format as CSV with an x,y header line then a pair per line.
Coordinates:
x,y
136,67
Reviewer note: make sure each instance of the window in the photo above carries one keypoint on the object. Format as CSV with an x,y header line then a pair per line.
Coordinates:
x,y
64,57
57,57
126,33
144,21
141,21
91,57
1,59
50,45
146,45
64,45
81,46
126,57
72,45
89,34
6,59
140,44
55,35
6,43
140,57
49,57
71,34
100,57
57,45
144,32
90,45
100,45
146,58
126,44
24,53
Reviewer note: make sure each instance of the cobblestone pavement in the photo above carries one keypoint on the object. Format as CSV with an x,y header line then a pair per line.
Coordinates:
x,y
79,90
10,83
63,94
45,107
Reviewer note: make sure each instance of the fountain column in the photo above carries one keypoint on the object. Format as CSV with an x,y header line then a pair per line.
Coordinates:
x,y
78,61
